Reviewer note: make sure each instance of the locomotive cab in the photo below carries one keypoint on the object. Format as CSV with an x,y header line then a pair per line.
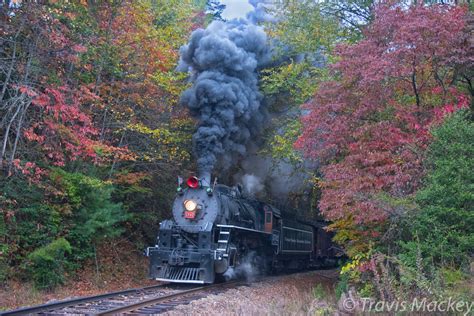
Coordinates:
x,y
268,219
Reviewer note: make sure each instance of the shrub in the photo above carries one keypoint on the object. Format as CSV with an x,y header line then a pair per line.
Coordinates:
x,y
319,292
3,250
4,268
342,285
445,223
91,215
46,265
77,207
442,230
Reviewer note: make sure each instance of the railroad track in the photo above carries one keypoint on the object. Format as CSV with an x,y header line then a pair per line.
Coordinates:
x,y
147,300
164,303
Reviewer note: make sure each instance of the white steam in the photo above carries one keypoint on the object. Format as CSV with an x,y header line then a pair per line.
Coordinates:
x,y
252,184
247,269
264,178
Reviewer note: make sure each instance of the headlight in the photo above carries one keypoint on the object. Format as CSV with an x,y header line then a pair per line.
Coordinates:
x,y
190,205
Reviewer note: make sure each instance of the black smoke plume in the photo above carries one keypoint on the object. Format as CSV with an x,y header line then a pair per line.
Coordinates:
x,y
224,59
260,12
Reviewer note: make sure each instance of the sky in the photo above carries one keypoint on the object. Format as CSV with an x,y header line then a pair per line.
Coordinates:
x,y
235,8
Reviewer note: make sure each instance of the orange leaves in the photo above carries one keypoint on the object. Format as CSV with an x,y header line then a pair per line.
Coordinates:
x,y
131,178
86,94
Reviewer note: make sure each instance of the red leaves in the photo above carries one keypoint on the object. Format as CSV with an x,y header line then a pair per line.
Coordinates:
x,y
41,100
28,91
371,126
461,102
65,131
79,48
30,169
399,41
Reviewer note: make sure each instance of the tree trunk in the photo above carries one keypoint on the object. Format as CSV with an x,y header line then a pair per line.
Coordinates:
x,y
17,137
7,132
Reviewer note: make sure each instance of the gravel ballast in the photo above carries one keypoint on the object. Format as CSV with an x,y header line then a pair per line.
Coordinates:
x,y
307,293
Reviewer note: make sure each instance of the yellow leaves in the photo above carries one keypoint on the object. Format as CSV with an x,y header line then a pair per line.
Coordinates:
x,y
350,266
169,143
298,79
147,36
281,145
398,160
352,235
161,135
170,82
354,267
304,26
357,264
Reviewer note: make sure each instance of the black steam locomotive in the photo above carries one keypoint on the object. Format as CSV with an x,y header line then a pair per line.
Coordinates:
x,y
216,229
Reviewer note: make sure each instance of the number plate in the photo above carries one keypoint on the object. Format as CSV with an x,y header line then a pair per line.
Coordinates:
x,y
189,214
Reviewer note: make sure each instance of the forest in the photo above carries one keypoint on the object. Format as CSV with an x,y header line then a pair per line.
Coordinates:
x,y
365,119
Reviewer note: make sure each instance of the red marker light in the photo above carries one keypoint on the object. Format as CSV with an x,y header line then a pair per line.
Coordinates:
x,y
193,182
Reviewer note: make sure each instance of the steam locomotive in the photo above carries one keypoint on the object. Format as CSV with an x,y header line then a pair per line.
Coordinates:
x,y
216,229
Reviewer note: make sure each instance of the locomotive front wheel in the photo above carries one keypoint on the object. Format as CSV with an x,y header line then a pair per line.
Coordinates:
x,y
221,266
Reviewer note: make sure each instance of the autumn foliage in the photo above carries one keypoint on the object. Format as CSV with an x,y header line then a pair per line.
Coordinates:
x,y
369,126
92,135
88,123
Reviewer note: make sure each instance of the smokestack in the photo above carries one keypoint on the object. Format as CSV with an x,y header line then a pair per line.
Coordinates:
x,y
224,59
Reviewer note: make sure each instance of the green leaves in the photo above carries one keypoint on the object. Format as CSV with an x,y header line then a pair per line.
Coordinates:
x,y
295,82
58,232
93,215
281,146
46,265
304,27
445,222
442,229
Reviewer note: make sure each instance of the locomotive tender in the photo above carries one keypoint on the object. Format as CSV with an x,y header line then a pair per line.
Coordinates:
x,y
215,228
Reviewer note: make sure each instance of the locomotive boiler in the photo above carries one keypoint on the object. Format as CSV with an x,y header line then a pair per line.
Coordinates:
x,y
215,228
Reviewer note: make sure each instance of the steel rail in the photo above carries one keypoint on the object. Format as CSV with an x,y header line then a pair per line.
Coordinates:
x,y
71,302
154,301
